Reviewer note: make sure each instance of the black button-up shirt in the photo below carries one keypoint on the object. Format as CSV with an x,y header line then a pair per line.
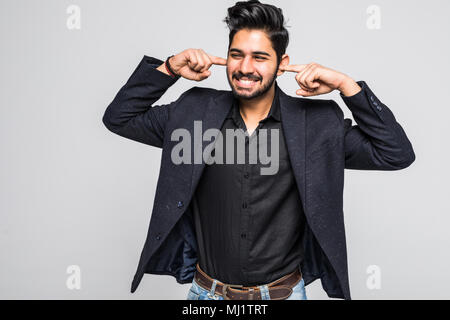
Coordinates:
x,y
248,225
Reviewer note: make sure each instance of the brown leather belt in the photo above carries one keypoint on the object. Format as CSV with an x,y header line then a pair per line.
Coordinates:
x,y
278,290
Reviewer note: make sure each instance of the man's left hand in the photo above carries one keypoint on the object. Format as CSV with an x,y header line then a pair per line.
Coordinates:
x,y
315,79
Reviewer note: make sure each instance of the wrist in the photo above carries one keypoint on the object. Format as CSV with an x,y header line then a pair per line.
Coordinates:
x,y
163,69
349,87
169,68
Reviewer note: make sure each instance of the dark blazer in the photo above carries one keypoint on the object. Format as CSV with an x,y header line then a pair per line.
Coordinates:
x,y
321,144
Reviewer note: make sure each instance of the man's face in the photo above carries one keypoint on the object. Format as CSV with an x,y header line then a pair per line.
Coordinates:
x,y
251,64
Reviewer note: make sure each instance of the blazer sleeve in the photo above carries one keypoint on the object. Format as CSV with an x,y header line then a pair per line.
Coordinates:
x,y
377,142
131,114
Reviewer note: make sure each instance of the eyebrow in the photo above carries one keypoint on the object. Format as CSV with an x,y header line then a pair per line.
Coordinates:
x,y
254,52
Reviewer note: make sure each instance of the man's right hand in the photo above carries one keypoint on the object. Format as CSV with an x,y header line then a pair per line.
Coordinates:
x,y
193,64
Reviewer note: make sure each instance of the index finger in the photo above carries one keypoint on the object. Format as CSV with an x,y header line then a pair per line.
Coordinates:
x,y
217,60
293,67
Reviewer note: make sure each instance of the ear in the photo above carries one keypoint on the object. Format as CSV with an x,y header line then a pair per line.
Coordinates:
x,y
284,62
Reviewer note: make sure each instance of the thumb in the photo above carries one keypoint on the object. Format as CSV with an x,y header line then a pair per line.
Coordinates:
x,y
303,93
199,76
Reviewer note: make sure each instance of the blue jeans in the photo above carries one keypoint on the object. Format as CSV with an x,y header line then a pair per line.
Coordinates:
x,y
198,293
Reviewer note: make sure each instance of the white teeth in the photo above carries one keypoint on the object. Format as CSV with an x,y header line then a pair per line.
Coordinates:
x,y
246,82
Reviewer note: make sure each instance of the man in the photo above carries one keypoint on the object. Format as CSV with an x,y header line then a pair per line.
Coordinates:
x,y
230,229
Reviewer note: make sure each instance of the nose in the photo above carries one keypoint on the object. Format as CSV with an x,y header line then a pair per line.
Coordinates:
x,y
246,66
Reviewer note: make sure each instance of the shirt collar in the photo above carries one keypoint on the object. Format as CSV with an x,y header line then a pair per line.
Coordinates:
x,y
274,112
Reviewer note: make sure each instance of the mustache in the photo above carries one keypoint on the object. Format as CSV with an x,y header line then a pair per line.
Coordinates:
x,y
248,76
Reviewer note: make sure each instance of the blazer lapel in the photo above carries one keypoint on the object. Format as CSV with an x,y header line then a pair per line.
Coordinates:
x,y
214,116
294,129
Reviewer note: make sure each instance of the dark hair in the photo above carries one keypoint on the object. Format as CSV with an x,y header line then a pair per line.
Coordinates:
x,y
256,15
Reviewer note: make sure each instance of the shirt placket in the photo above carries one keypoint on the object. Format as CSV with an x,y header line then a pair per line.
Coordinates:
x,y
245,207
246,232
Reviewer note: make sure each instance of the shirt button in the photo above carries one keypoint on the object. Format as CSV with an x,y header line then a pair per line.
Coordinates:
x,y
244,205
158,236
180,204
379,108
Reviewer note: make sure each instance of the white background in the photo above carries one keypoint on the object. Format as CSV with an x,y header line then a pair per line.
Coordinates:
x,y
73,193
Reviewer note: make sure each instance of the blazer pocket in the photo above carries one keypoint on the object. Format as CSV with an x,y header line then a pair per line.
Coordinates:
x,y
324,149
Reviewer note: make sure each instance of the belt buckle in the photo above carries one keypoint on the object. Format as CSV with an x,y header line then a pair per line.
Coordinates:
x,y
226,286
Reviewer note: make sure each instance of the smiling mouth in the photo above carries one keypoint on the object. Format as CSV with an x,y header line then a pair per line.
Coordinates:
x,y
245,82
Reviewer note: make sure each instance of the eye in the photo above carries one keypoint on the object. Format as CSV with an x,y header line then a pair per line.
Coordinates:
x,y
260,58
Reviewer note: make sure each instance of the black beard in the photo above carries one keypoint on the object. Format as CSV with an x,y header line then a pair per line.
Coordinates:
x,y
257,93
